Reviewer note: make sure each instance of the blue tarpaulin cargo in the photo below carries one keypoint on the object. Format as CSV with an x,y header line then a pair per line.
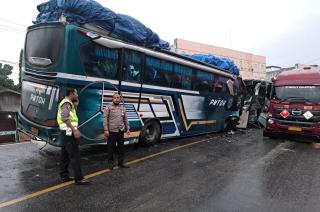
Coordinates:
x,y
222,63
121,26
89,11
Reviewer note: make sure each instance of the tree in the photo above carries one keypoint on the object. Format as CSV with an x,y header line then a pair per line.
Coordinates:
x,y
5,72
20,69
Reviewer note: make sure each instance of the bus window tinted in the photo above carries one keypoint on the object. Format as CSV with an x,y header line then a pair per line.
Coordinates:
x,y
99,61
158,72
203,81
132,62
182,77
220,84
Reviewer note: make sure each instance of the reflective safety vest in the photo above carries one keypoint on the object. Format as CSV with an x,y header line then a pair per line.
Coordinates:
x,y
73,115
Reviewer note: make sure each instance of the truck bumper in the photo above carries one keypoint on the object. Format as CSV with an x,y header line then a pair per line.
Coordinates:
x,y
301,130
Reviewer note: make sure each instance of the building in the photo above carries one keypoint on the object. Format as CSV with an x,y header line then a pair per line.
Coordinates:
x,y
9,108
273,71
250,65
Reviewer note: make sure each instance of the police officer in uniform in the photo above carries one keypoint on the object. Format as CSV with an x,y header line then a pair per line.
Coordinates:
x,y
68,123
115,125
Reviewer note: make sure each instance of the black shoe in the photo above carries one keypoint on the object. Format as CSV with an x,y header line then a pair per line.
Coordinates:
x,y
83,182
67,179
124,165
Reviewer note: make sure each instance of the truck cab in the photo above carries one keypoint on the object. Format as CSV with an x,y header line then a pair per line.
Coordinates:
x,y
294,107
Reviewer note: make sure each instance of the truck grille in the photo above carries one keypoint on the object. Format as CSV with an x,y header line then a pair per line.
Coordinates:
x,y
297,115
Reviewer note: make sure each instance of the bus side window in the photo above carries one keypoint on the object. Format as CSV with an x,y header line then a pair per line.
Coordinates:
x,y
185,76
204,81
132,62
218,88
175,80
158,72
220,84
99,61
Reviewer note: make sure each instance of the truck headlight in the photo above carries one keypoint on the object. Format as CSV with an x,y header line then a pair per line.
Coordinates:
x,y
270,121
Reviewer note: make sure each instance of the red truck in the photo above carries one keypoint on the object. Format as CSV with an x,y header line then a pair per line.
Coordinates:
x,y
294,107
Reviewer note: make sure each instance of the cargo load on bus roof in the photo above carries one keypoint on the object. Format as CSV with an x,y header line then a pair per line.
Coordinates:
x,y
93,16
222,63
89,11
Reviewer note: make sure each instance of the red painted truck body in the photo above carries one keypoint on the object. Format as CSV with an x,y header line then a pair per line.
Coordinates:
x,y
294,107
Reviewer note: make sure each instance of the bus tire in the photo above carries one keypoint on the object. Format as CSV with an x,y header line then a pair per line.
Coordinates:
x,y
150,133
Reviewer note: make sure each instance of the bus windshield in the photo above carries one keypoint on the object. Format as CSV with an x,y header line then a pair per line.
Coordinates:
x,y
43,46
299,93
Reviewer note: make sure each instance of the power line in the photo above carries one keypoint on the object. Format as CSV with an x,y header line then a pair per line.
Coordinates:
x,y
12,22
314,60
2,28
12,28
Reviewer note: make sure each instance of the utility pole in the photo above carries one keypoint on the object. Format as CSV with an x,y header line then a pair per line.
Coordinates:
x,y
230,33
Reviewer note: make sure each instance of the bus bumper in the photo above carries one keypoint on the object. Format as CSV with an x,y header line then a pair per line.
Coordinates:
x,y
50,135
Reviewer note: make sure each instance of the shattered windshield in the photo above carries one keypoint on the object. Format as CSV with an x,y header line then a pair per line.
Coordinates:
x,y
298,93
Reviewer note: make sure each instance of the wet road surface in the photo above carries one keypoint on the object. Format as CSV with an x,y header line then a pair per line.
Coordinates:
x,y
244,172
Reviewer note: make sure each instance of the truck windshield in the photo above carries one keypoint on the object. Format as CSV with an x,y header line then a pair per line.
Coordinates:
x,y
298,93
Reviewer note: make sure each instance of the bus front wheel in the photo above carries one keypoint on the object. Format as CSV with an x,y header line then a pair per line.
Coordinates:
x,y
150,133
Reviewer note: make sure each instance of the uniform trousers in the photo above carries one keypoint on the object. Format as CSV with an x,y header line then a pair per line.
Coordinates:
x,y
70,154
116,138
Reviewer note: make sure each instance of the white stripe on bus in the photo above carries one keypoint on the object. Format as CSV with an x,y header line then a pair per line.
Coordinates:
x,y
115,82
51,98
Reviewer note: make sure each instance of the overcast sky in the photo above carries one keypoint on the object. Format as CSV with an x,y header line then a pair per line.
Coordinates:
x,y
285,31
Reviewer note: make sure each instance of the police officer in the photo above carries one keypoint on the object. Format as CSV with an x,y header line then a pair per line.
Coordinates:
x,y
115,124
68,123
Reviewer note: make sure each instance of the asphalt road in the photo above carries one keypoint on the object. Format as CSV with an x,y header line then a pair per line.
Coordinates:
x,y
244,172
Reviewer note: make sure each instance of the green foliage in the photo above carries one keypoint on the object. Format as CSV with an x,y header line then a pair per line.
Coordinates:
x,y
20,69
5,81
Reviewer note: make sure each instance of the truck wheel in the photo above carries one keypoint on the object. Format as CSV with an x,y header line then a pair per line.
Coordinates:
x,y
150,133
